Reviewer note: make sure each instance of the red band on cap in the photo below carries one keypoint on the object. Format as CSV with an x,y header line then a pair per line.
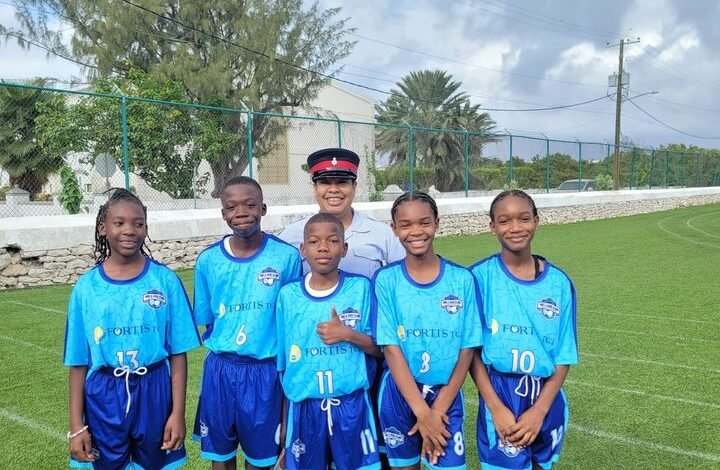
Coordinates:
x,y
339,164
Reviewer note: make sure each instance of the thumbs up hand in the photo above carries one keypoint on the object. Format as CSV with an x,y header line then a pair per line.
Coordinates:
x,y
333,331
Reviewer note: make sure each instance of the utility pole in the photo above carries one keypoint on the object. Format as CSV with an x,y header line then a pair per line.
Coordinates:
x,y
618,107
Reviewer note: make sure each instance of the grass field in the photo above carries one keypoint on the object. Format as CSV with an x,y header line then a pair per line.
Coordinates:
x,y
645,395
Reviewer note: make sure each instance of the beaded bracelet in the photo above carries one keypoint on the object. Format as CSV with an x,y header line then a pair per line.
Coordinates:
x,y
73,435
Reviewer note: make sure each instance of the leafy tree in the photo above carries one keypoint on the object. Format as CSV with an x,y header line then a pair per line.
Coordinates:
x,y
160,137
430,99
24,154
257,54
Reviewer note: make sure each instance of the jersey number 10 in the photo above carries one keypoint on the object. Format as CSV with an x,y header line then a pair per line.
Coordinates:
x,y
522,361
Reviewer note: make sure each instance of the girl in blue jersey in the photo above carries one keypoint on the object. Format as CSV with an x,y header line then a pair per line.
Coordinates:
x,y
428,323
128,318
529,342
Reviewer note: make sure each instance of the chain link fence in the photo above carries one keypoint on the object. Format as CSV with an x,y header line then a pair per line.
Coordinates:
x,y
60,150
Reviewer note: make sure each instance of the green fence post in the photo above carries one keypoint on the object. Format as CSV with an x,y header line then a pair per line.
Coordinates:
x,y
126,158
667,157
467,163
339,132
652,168
410,155
632,168
682,170
697,170
547,165
510,163
609,162
579,166
250,142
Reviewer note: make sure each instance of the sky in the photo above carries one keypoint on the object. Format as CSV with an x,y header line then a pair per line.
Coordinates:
x,y
514,55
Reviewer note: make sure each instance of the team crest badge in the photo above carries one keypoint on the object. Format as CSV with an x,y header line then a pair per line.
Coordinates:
x,y
350,317
268,277
154,298
297,449
451,304
203,429
548,307
334,161
393,438
508,449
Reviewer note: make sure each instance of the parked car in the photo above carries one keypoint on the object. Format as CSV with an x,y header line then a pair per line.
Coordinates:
x,y
576,185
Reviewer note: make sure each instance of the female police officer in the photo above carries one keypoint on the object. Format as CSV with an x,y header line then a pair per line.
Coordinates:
x,y
371,243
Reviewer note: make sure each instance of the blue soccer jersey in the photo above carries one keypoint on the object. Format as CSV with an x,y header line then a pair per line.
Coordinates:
x,y
312,368
236,297
131,323
430,323
528,326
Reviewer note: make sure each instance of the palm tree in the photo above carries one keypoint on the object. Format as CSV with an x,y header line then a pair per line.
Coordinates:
x,y
430,100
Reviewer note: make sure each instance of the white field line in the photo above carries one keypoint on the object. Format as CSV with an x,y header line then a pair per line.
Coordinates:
x,y
573,426
653,363
699,230
628,391
655,317
30,345
36,307
655,335
32,424
659,224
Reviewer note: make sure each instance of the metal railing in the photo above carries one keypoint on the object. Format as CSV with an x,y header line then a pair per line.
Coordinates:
x,y
176,155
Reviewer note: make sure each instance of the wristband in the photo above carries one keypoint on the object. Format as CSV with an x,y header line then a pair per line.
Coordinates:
x,y
73,435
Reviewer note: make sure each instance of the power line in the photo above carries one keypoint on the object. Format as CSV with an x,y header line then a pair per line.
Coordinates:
x,y
455,61
668,125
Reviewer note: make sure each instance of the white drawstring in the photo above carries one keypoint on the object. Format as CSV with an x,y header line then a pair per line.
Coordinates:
x,y
326,405
427,389
126,371
531,386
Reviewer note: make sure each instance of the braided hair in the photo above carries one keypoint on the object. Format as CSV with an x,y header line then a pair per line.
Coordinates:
x,y
414,196
102,248
508,193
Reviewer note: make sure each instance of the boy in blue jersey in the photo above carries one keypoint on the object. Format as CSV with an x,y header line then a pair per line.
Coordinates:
x,y
329,418
428,322
128,318
530,341
237,281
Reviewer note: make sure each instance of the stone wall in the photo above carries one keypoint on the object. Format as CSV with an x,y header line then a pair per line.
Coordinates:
x,y
22,267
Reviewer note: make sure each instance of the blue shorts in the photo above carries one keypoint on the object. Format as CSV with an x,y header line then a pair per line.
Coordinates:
x,y
339,430
127,428
397,419
518,393
240,404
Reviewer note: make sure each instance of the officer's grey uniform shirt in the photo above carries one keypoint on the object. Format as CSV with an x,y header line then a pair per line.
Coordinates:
x,y
371,244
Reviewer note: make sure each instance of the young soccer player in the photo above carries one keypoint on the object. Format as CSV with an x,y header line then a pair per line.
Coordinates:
x,y
529,338
128,318
428,322
237,281
323,320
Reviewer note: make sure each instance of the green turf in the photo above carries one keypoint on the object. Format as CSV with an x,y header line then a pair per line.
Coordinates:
x,y
645,395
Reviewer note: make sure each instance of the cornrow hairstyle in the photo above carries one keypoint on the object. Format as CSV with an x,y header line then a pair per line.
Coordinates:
x,y
102,248
324,217
414,196
508,193
242,180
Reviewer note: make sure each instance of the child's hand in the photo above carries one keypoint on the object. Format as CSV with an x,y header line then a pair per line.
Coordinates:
x,y
81,448
524,432
333,331
504,420
174,436
431,425
430,452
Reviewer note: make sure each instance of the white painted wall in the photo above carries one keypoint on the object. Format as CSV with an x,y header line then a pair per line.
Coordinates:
x,y
66,231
